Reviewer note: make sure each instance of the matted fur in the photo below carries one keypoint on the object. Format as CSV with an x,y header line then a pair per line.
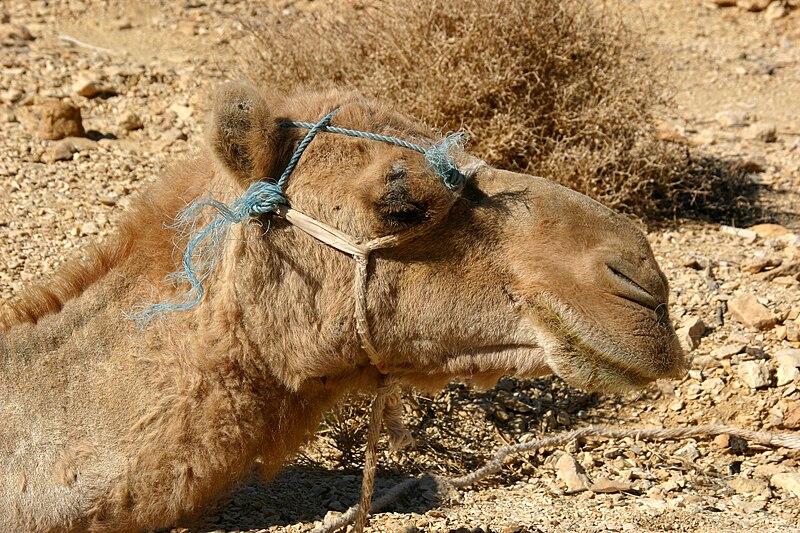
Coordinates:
x,y
108,428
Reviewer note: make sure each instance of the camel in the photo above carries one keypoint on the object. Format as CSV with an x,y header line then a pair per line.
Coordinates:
x,y
107,426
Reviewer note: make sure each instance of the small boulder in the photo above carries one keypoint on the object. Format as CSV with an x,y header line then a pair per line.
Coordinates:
x,y
130,121
11,34
746,309
761,131
753,5
54,119
62,150
788,356
754,374
789,482
91,88
570,472
786,374
769,231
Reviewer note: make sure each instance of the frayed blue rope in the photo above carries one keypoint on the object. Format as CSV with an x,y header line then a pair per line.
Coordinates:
x,y
201,253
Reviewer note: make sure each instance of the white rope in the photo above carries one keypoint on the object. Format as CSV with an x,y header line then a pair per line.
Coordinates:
x,y
766,438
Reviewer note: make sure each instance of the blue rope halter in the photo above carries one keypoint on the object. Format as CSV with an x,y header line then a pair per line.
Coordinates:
x,y
263,197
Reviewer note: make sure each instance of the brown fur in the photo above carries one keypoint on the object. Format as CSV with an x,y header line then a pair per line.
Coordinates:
x,y
106,428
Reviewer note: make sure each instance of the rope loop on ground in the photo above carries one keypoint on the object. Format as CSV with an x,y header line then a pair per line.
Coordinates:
x,y
495,464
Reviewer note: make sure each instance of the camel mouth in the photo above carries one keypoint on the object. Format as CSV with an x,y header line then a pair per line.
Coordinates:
x,y
586,358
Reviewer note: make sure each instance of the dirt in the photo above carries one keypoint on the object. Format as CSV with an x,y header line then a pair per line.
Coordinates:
x,y
733,74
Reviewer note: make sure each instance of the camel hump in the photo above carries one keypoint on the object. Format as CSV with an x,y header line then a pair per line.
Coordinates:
x,y
244,131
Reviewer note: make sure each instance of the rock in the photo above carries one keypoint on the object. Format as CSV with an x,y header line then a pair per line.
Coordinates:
x,y
788,356
14,34
722,441
761,131
730,119
785,281
91,88
786,374
130,121
695,326
728,350
768,231
775,11
753,5
746,309
789,482
54,119
746,234
570,472
758,265
743,485
610,486
183,112
89,228
62,150
689,452
754,374
724,3
791,420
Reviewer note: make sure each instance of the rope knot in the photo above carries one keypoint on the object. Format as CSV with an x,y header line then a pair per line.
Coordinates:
x,y
438,157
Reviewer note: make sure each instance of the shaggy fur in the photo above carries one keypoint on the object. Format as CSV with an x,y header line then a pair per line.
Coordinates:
x,y
108,428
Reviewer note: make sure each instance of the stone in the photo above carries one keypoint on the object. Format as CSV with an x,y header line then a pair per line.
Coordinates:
x,y
758,265
791,419
571,473
14,34
786,374
55,119
788,356
753,5
688,452
775,11
130,121
768,231
789,482
761,131
743,485
746,234
731,119
726,351
610,486
89,228
62,150
754,374
695,326
746,309
91,88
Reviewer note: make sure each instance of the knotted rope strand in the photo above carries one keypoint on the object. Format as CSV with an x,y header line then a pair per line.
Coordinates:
x,y
495,464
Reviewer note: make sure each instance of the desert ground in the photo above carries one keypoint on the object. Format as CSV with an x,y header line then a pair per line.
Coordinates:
x,y
142,73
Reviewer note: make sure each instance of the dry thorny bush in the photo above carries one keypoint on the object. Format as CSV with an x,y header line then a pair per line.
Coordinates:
x,y
558,89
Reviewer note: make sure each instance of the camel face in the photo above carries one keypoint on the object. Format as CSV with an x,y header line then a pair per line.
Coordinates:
x,y
512,274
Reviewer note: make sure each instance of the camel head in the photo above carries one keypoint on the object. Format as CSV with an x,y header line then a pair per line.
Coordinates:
x,y
509,274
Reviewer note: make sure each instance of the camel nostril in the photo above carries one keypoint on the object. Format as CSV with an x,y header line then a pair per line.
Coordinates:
x,y
635,286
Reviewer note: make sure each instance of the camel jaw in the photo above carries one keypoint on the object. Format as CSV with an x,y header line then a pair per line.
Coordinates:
x,y
588,356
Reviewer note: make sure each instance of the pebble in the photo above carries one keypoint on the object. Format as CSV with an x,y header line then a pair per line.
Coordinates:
x,y
688,452
768,231
789,482
11,34
744,485
761,131
730,119
610,486
775,11
788,356
746,309
130,121
63,149
56,119
570,472
791,420
726,351
754,374
91,88
753,5
786,374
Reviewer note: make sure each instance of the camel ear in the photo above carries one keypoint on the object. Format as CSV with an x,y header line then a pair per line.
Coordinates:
x,y
244,133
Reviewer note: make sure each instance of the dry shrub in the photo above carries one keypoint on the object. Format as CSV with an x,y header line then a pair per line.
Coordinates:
x,y
553,88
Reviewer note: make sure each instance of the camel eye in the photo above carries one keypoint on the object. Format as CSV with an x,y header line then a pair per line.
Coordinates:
x,y
396,206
